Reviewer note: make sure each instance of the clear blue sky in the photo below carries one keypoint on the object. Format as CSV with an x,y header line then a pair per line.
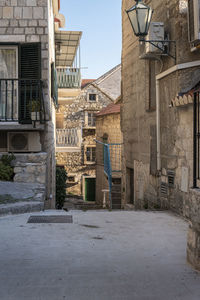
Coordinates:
x,y
100,22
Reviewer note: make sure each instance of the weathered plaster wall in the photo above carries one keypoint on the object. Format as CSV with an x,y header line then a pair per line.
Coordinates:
x,y
176,123
109,125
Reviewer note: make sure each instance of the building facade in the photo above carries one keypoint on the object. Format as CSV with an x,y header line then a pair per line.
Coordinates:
x,y
76,130
108,131
27,99
160,114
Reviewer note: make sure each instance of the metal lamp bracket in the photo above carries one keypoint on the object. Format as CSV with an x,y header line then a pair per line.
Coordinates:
x,y
161,45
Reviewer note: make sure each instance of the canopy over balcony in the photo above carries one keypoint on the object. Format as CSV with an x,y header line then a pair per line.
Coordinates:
x,y
67,44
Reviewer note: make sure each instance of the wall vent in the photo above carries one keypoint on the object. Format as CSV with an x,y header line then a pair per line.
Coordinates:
x,y
163,189
171,177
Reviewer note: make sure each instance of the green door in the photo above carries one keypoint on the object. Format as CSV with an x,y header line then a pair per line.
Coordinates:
x,y
90,186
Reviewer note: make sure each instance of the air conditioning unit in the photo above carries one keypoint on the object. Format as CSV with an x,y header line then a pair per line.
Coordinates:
x,y
156,33
24,142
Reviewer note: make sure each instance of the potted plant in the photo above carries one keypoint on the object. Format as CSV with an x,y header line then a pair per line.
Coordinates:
x,y
35,108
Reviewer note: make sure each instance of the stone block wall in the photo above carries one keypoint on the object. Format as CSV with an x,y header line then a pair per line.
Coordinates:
x,y
30,21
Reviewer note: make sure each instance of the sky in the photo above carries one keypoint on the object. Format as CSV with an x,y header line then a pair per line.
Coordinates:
x,y
100,22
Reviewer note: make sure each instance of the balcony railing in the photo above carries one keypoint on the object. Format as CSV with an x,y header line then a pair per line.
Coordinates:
x,y
68,77
21,100
68,137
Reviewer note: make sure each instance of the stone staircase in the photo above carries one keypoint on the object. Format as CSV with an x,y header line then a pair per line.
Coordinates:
x,y
77,203
18,198
116,193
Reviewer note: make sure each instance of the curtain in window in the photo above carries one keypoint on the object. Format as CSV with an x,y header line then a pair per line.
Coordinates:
x,y
8,88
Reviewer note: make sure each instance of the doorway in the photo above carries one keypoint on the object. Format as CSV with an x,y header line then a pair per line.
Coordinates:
x,y
130,185
89,189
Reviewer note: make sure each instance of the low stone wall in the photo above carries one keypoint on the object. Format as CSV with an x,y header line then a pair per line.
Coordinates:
x,y
30,168
29,179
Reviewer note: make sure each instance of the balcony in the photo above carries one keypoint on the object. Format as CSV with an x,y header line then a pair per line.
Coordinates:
x,y
21,100
68,78
68,138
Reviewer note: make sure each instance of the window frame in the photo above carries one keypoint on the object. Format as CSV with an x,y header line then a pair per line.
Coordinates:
x,y
91,162
92,93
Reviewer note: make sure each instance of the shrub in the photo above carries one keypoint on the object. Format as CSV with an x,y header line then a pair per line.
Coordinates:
x,y
6,170
61,177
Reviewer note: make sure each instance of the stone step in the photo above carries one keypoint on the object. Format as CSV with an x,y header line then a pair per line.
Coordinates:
x,y
21,207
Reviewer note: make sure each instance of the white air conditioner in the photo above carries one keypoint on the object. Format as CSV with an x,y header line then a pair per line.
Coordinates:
x,y
24,142
156,33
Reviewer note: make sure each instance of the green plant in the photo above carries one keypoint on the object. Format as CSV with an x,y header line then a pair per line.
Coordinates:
x,y
35,105
61,178
6,170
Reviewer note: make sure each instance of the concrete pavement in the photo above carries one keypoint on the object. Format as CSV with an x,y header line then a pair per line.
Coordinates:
x,y
119,255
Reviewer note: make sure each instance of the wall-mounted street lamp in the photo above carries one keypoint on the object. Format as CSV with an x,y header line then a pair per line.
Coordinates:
x,y
140,16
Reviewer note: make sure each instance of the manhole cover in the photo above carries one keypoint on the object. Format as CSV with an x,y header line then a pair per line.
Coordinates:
x,y
50,219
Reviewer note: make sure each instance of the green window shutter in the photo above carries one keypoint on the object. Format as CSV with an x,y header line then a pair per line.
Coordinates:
x,y
30,61
29,68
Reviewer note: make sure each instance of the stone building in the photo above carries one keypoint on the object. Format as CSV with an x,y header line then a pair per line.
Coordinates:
x,y
108,131
160,113
76,130
27,98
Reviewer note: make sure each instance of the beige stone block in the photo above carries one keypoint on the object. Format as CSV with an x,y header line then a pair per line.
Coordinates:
x,y
27,13
38,13
41,179
18,30
32,23
30,30
41,3
7,12
32,38
31,3
23,23
4,23
13,2
14,23
17,12
12,38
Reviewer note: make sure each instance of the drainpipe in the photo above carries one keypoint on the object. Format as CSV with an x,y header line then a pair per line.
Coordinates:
x,y
158,78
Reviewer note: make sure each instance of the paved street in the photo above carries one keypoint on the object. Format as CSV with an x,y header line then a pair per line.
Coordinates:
x,y
101,256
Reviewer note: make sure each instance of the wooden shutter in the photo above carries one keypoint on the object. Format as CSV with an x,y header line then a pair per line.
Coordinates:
x,y
30,61
29,68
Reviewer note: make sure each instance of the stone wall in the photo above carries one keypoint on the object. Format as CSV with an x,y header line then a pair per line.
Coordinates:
x,y
109,125
153,189
75,117
29,21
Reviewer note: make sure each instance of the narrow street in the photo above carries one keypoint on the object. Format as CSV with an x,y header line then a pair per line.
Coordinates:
x,y
102,255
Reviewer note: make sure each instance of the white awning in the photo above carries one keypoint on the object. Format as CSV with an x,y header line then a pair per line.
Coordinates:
x,y
67,43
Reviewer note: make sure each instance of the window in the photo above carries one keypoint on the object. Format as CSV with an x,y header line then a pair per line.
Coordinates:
x,y
90,154
93,97
92,119
8,88
71,179
20,77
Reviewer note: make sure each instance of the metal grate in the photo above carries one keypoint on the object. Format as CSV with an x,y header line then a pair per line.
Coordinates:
x,y
163,189
50,219
170,175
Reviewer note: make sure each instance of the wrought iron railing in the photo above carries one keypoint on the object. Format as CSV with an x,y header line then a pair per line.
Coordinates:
x,y
68,137
68,77
112,162
21,100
